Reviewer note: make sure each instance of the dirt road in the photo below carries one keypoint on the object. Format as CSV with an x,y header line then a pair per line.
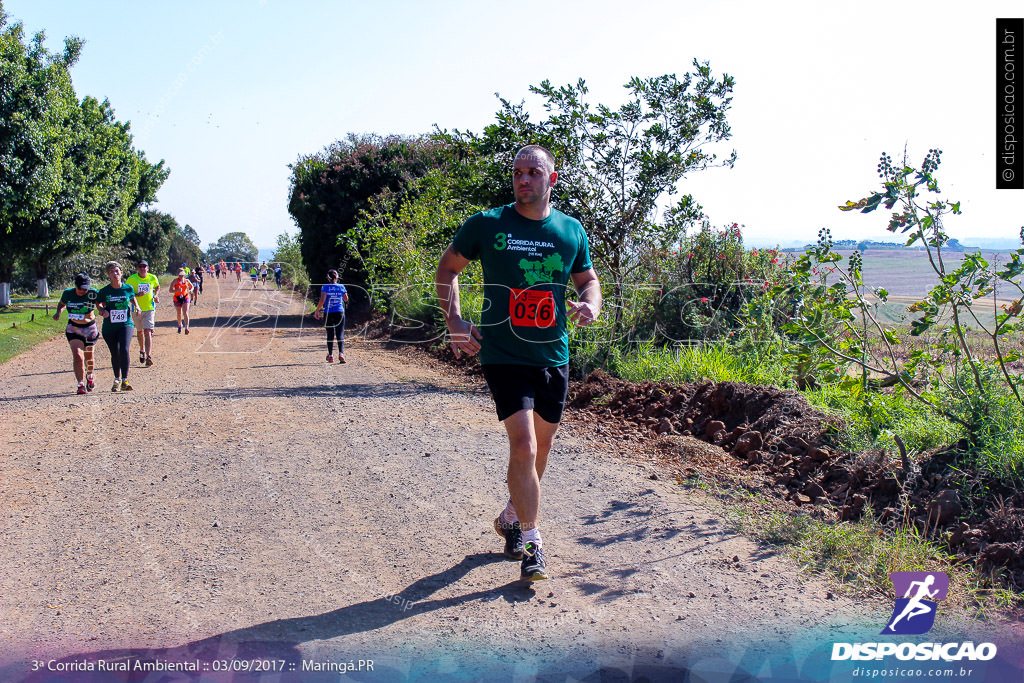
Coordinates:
x,y
249,501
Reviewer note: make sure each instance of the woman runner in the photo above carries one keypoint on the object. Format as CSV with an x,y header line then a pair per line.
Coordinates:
x,y
81,332
116,303
333,297
181,289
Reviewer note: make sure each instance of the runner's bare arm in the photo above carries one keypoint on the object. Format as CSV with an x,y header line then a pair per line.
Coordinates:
x,y
60,307
320,305
588,308
463,334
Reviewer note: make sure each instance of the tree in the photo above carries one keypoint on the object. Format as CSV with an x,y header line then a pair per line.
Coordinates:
x,y
289,254
330,189
99,195
36,101
150,239
70,180
189,233
234,246
617,166
182,250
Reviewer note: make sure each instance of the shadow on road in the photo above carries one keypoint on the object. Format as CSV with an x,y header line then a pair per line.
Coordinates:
x,y
409,389
279,640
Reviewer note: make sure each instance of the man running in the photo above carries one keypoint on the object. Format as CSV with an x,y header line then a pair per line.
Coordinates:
x,y
263,273
277,275
529,252
196,278
116,303
81,332
181,290
146,286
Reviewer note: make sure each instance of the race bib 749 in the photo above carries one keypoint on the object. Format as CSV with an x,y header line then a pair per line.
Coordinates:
x,y
531,308
119,316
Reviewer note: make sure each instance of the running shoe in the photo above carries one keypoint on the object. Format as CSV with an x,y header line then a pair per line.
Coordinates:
x,y
125,386
149,361
533,568
341,358
90,382
117,385
513,535
186,330
330,359
179,329
142,356
81,389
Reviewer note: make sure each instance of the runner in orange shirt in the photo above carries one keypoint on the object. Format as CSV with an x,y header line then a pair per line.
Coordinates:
x,y
181,289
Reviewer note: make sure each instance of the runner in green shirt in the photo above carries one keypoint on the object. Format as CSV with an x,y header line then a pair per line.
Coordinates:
x,y
146,286
529,253
116,303
81,331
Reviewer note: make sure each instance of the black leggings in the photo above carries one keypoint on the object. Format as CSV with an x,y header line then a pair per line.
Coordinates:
x,y
335,324
118,341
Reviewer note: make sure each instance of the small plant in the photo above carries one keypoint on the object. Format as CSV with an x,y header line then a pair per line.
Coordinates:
x,y
832,323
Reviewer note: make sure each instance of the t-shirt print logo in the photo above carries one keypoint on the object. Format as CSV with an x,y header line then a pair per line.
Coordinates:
x,y
914,613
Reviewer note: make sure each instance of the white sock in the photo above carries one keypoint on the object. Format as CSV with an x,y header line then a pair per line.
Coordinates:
x,y
532,536
508,515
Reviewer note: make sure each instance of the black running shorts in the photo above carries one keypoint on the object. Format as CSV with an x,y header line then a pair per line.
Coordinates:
x,y
515,387
88,334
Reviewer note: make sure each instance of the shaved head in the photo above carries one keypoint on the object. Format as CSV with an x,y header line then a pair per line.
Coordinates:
x,y
540,153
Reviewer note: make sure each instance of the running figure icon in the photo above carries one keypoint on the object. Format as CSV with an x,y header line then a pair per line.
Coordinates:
x,y
921,592
915,607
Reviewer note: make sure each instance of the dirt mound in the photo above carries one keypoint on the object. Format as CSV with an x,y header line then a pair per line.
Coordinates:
x,y
776,441
751,421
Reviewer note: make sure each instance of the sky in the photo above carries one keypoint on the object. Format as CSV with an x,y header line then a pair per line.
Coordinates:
x,y
229,93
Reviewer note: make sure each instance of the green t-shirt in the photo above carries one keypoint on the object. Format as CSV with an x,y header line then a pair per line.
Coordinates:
x,y
526,266
119,303
144,288
78,305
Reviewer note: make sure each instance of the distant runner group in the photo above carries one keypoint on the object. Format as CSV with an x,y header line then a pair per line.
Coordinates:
x,y
128,305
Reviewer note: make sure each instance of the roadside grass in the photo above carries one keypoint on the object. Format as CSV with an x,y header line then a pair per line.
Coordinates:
x,y
718,362
857,557
23,325
873,419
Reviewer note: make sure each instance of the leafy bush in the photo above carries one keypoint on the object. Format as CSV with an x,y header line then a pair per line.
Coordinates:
x,y
706,283
289,254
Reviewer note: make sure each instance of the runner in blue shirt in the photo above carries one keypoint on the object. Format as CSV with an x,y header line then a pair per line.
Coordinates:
x,y
333,297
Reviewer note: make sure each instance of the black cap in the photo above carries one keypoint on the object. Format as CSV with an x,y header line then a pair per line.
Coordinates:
x,y
143,262
82,280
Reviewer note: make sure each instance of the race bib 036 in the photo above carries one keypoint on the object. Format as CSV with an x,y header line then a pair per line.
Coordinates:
x,y
531,308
